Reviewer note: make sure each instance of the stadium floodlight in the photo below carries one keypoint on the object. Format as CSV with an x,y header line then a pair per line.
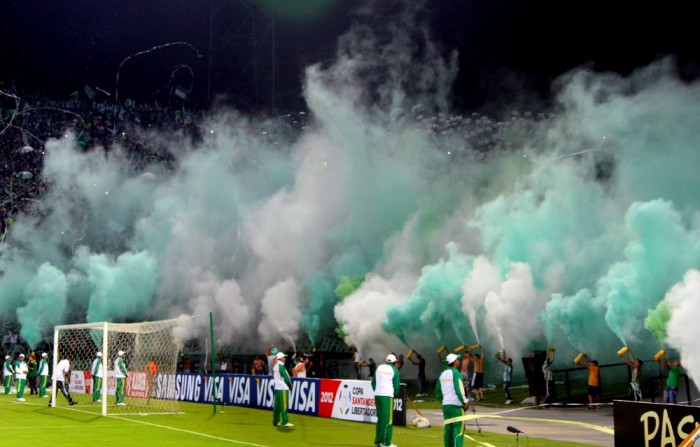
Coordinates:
x,y
150,356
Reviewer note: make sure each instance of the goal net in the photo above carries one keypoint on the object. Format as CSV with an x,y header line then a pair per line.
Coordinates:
x,y
150,355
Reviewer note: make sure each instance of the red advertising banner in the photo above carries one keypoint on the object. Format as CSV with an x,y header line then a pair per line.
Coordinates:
x,y
136,384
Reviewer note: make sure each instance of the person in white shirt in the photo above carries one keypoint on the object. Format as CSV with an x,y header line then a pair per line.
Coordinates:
x,y
507,374
271,354
21,370
62,377
120,374
449,391
385,383
550,384
96,372
358,361
282,384
301,367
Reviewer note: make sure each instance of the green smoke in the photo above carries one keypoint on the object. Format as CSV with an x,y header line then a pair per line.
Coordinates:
x,y
46,291
121,288
579,318
548,327
317,315
655,262
436,303
319,310
347,285
656,321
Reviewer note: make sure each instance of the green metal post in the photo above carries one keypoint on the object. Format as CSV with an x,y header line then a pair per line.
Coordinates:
x,y
213,360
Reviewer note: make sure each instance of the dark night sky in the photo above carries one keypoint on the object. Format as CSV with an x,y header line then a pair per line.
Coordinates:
x,y
57,46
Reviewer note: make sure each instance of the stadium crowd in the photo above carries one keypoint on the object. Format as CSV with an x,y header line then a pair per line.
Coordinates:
x,y
28,120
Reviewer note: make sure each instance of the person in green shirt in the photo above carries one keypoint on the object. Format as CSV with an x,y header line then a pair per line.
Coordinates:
x,y
7,372
43,374
674,373
96,373
449,391
282,385
32,374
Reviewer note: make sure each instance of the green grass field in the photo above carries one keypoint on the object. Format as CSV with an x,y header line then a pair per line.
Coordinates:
x,y
34,423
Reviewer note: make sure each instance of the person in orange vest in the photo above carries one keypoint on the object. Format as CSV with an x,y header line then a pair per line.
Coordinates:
x,y
593,382
151,371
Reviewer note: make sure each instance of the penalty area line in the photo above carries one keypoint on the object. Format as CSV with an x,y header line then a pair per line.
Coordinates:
x,y
204,435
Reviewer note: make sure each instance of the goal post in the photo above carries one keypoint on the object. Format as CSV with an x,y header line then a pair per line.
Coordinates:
x,y
149,354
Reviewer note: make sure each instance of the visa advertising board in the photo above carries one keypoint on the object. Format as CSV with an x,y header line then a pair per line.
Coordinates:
x,y
340,399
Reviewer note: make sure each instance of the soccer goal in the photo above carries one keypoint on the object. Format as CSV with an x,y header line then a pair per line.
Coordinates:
x,y
149,354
